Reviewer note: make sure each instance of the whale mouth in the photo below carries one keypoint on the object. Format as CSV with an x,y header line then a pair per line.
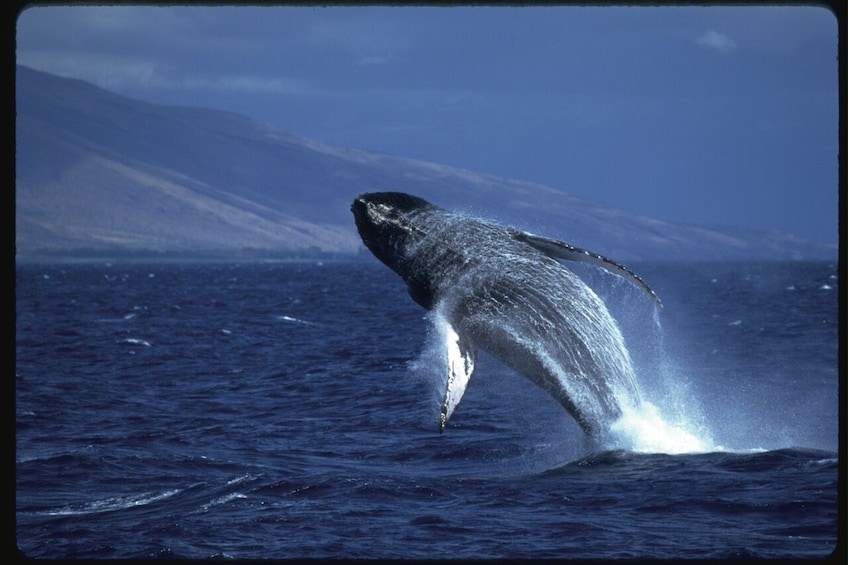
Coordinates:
x,y
367,217
379,228
360,205
359,209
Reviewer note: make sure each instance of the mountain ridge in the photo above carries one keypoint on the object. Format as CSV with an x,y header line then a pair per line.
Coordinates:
x,y
96,170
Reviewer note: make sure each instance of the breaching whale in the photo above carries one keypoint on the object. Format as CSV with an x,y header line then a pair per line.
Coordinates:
x,y
504,291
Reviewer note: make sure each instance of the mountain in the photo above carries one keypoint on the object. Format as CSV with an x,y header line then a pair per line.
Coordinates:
x,y
99,171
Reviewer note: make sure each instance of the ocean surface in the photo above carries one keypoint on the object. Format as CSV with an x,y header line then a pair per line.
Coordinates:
x,y
290,410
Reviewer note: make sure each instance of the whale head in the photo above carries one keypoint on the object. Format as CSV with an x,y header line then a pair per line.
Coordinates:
x,y
386,222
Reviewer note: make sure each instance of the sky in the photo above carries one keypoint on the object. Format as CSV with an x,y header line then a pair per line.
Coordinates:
x,y
719,116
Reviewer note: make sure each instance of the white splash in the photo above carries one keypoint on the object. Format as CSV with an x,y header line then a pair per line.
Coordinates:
x,y
135,341
294,320
645,430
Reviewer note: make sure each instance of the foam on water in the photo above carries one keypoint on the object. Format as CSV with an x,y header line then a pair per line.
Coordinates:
x,y
112,503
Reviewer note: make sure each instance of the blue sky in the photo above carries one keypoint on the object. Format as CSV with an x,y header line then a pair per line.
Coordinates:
x,y
709,115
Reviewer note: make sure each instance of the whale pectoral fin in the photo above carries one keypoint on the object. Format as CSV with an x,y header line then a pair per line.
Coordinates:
x,y
462,354
562,250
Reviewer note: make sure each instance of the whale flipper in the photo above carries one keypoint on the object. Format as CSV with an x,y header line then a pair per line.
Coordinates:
x,y
561,250
462,354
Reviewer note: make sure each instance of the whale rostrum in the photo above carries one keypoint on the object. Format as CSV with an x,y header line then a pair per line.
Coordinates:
x,y
505,291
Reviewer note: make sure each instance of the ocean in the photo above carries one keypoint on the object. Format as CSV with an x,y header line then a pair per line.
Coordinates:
x,y
291,410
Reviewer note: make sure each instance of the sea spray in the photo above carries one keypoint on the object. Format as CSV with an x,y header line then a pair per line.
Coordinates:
x,y
669,419
645,430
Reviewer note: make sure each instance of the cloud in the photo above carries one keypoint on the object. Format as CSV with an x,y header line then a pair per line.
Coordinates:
x,y
715,40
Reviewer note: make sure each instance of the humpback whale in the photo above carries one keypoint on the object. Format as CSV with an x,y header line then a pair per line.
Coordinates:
x,y
506,292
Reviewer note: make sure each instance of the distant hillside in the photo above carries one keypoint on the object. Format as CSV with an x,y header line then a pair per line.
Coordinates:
x,y
98,171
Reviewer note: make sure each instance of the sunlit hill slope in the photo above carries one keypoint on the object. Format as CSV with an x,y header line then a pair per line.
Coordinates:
x,y
99,171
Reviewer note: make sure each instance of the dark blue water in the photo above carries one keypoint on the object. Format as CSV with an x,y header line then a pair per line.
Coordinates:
x,y
289,410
